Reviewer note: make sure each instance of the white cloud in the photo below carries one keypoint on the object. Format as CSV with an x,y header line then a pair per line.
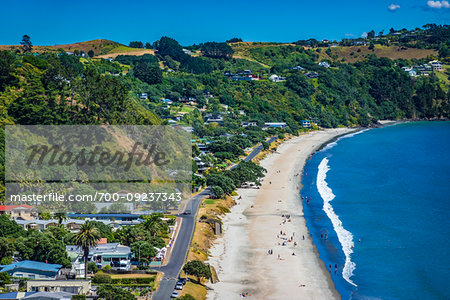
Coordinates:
x,y
364,35
349,35
438,4
393,7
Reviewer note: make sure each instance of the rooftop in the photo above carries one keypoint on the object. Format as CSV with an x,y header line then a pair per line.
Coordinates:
x,y
31,265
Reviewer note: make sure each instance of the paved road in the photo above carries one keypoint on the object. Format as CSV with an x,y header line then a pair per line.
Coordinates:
x,y
183,241
180,248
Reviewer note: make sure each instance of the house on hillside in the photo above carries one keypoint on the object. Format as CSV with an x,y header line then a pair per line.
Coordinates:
x,y
436,65
166,101
213,118
276,78
143,96
250,123
32,270
298,68
275,125
306,124
312,75
324,64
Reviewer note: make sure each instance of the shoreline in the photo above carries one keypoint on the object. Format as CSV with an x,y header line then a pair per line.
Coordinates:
x,y
241,259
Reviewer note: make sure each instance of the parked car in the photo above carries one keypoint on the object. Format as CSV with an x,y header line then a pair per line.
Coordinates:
x,y
179,286
182,281
174,294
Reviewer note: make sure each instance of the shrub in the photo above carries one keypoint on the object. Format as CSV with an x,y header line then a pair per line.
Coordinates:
x,y
101,278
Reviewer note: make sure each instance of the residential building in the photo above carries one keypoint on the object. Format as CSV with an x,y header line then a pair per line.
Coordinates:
x,y
143,96
110,217
436,65
275,125
276,78
19,212
245,124
213,118
166,101
14,295
312,75
113,254
298,68
324,64
32,269
306,124
49,296
69,286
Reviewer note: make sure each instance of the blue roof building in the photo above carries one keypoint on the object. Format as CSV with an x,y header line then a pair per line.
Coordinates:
x,y
121,217
32,269
15,295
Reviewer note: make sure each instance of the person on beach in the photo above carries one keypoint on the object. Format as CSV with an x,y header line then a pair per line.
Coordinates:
x,y
303,237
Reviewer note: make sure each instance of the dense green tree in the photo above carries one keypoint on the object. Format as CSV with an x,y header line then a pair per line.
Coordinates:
x,y
136,44
299,84
217,50
109,292
217,191
27,46
7,70
148,73
198,269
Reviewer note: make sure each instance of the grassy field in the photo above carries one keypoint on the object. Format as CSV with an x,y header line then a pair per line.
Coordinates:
x,y
351,54
196,290
245,50
101,47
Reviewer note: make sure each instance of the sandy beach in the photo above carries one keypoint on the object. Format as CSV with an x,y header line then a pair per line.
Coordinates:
x,y
271,218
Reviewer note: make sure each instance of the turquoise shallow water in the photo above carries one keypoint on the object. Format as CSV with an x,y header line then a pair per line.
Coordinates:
x,y
381,201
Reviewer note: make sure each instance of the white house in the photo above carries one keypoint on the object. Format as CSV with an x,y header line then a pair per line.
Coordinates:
x,y
113,254
275,125
276,78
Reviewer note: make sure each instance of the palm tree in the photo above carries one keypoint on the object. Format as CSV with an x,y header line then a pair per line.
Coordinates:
x,y
60,216
87,237
153,223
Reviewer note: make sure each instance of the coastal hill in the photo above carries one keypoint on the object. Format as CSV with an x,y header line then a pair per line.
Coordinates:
x,y
100,47
262,52
258,52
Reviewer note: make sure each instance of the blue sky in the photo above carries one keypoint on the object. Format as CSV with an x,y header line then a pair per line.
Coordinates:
x,y
51,22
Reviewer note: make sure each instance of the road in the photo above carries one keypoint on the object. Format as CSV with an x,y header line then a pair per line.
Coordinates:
x,y
184,237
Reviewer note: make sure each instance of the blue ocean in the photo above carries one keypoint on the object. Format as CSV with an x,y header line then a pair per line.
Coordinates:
x,y
377,205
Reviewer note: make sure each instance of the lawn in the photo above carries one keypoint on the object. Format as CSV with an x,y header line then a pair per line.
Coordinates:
x,y
196,290
116,276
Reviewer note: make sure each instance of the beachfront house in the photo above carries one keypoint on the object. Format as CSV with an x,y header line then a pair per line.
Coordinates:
x,y
32,270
